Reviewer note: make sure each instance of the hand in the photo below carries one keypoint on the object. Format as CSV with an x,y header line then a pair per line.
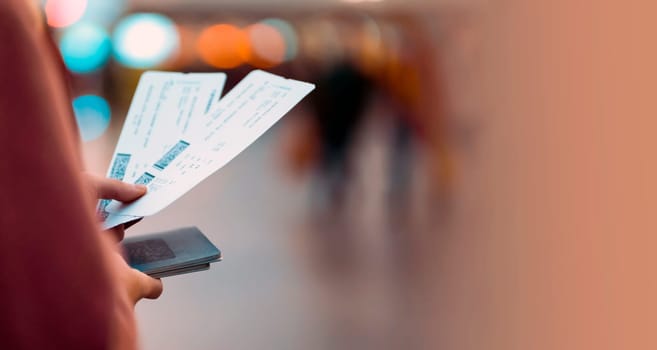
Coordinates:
x,y
136,284
130,286
104,188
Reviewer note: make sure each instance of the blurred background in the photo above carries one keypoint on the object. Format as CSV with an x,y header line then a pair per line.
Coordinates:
x,y
448,185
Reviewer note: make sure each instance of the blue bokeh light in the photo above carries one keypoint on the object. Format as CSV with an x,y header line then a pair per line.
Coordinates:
x,y
103,12
145,40
85,47
92,114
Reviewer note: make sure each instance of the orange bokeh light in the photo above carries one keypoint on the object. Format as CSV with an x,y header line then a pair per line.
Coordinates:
x,y
223,46
267,45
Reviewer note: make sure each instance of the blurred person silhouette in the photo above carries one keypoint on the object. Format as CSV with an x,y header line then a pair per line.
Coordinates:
x,y
353,59
63,284
339,104
403,61
334,111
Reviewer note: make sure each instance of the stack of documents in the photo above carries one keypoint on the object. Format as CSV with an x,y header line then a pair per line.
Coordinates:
x,y
179,130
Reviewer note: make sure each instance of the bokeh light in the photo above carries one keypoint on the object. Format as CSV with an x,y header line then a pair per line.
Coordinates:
x,y
321,42
371,48
92,114
103,12
85,47
267,45
186,55
63,13
223,46
145,40
288,33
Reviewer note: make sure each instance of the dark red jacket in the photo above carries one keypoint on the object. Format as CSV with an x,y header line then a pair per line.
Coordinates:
x,y
56,291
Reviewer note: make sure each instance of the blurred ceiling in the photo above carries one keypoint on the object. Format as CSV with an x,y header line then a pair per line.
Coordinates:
x,y
273,5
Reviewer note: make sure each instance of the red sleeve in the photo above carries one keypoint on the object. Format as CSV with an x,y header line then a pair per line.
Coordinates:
x,y
55,287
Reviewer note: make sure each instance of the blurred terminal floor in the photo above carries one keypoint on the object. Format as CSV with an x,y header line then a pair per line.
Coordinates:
x,y
293,276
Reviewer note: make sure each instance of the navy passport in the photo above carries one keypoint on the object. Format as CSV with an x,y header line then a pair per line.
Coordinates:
x,y
170,253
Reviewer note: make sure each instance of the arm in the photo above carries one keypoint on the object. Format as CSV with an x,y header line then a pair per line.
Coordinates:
x,y
61,284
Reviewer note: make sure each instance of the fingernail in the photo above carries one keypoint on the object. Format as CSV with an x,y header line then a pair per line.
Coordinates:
x,y
141,188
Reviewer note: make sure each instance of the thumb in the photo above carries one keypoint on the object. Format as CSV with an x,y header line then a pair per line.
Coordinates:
x,y
121,191
151,288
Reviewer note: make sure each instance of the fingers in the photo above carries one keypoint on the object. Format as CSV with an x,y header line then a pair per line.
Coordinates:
x,y
135,284
140,285
115,189
151,288
117,233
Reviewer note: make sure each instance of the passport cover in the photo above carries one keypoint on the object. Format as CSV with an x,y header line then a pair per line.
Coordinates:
x,y
170,253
